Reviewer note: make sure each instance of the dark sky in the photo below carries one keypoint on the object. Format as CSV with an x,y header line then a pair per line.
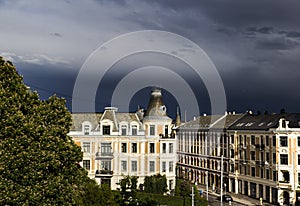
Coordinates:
x,y
254,45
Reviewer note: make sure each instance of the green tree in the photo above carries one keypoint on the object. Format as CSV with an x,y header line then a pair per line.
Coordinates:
x,y
38,160
91,194
128,186
183,189
156,184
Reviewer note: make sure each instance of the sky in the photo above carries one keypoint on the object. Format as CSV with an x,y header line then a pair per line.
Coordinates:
x,y
254,46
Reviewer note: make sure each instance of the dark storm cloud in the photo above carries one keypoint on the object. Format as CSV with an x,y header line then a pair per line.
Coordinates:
x,y
280,43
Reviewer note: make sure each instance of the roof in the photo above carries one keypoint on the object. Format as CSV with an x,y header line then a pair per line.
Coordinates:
x,y
95,118
265,121
79,118
201,122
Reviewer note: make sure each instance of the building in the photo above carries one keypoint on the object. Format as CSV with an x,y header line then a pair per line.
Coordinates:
x,y
200,145
261,154
137,144
265,155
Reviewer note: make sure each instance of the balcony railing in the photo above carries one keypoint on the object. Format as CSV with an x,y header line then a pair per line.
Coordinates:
x,y
100,173
104,155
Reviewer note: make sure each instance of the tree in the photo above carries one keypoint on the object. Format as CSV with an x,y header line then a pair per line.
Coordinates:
x,y
91,194
128,190
183,189
156,184
38,160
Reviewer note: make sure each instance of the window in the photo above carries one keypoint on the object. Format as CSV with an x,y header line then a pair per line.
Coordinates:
x,y
106,165
274,141
231,153
267,174
298,138
152,130
274,176
283,159
86,164
261,140
170,147
283,141
298,159
274,158
283,123
253,171
286,176
106,130
106,149
134,147
163,168
166,130
298,178
267,140
232,139
123,166
86,146
171,166
152,166
164,147
261,172
252,139
124,129
124,147
170,184
252,154
268,157
133,166
134,130
152,148
86,129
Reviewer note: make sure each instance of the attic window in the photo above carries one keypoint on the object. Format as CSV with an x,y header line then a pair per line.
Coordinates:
x,y
86,129
270,123
240,124
124,130
261,124
106,130
249,124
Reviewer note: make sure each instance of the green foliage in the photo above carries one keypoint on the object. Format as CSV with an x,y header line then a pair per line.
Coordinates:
x,y
128,190
184,188
91,194
38,160
156,184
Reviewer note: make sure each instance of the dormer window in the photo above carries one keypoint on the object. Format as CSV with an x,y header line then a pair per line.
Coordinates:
x,y
106,130
134,130
86,129
152,130
124,130
283,123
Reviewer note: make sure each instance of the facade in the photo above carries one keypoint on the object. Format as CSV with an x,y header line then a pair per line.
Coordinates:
x,y
200,145
261,155
265,155
137,144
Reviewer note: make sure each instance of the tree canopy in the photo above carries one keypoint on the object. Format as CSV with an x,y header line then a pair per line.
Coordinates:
x,y
156,184
39,162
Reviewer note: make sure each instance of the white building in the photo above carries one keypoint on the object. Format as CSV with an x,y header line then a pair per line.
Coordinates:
x,y
137,144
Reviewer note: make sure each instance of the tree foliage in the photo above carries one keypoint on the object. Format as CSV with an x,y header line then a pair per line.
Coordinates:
x,y
91,194
128,186
38,160
156,184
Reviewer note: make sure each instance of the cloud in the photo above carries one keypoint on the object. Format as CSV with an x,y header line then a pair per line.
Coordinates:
x,y
38,59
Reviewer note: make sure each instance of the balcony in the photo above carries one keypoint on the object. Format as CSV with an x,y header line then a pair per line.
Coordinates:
x,y
283,184
104,173
104,155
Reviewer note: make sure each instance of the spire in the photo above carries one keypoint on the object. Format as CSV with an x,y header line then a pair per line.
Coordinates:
x,y
178,119
156,105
